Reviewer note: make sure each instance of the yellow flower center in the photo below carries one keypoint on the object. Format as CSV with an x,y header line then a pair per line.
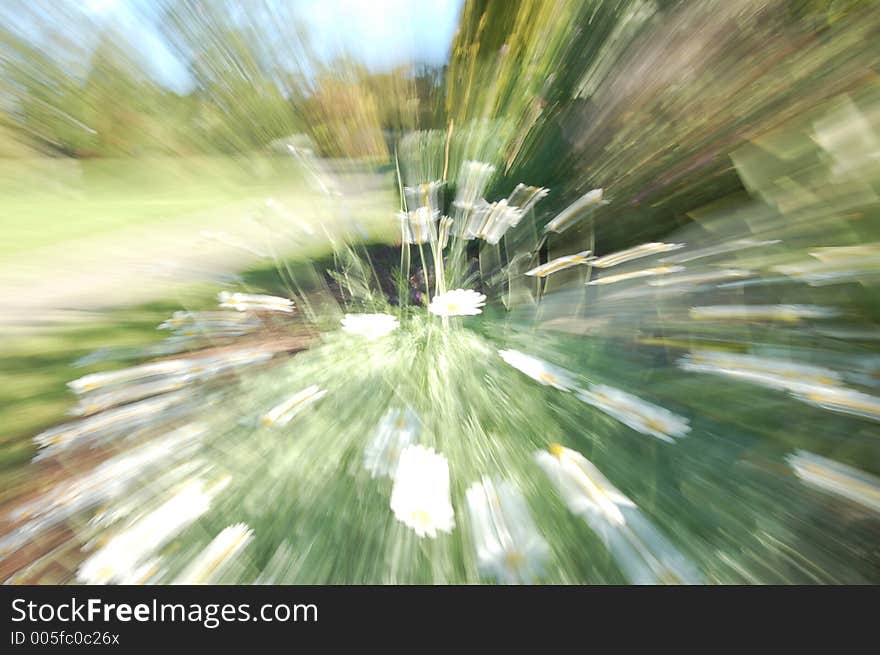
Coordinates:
x,y
656,425
548,378
556,450
421,517
513,559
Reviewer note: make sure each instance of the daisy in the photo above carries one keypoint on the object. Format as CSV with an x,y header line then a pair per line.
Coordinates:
x,y
420,495
560,264
841,399
122,556
443,231
282,413
539,370
222,550
105,425
836,478
508,545
585,491
497,220
645,272
568,216
423,195
771,372
108,481
643,553
99,401
785,313
370,326
417,227
181,319
630,410
396,430
635,252
134,373
215,324
472,180
525,197
207,366
471,218
458,302
254,302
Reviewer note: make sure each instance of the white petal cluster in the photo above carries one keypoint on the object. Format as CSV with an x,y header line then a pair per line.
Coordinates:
x,y
255,302
836,478
419,226
458,302
643,553
420,496
283,412
122,560
539,370
560,264
585,491
397,429
509,547
217,555
638,414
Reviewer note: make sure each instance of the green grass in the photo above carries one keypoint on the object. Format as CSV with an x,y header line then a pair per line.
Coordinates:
x,y
36,368
46,201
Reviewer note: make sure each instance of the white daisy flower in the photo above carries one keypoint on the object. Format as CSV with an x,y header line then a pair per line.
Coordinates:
x,y
110,423
632,275
396,430
525,197
836,478
243,302
491,221
458,302
575,210
131,374
472,180
771,372
417,226
420,495
539,370
282,413
106,482
443,231
222,550
841,399
423,195
643,553
370,326
214,324
470,219
560,264
585,491
784,313
121,558
635,252
499,218
508,545
98,401
638,414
